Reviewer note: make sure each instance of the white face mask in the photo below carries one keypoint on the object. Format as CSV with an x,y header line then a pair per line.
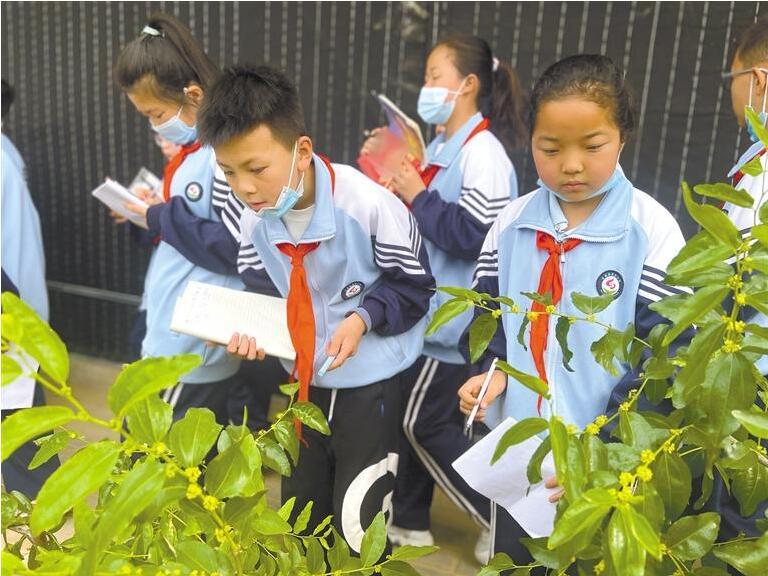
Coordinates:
x,y
288,196
432,106
175,130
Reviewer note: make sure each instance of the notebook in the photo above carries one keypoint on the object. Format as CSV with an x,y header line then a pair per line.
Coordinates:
x,y
214,313
114,195
145,179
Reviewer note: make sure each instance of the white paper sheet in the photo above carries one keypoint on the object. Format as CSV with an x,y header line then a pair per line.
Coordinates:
x,y
20,392
214,313
114,195
506,482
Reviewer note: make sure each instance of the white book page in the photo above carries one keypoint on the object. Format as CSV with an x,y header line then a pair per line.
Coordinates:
x,y
214,313
506,482
146,179
114,195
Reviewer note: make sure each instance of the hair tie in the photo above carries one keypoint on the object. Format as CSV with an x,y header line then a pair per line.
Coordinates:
x,y
148,30
495,64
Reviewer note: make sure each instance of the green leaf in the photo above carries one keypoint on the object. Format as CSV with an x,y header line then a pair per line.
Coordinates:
x,y
750,486
338,555
230,472
717,273
626,552
673,483
398,568
543,299
285,434
197,556
10,369
458,292
448,312
752,168
409,552
635,431
755,422
714,221
192,437
561,332
149,419
521,332
519,432
608,349
322,526
12,565
642,530
699,253
756,292
692,537
136,491
750,557
481,332
49,447
763,213
82,474
651,506
728,384
531,382
583,516
558,436
147,377
726,193
289,389
374,541
273,456
704,344
685,309
29,423
37,338
534,465
270,523
302,520
310,415
591,304
760,233
758,128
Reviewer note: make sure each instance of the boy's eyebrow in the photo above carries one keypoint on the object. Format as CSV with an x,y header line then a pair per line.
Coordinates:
x,y
548,138
593,134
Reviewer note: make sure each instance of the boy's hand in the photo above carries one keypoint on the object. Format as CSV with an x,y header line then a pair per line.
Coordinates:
x,y
345,340
407,183
553,483
469,391
245,347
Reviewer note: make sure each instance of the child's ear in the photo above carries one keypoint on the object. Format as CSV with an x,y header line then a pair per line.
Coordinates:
x,y
472,84
304,151
194,94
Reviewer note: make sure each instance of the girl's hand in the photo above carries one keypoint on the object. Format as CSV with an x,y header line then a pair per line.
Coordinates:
x,y
149,198
469,391
245,347
552,482
374,141
407,183
345,340
117,218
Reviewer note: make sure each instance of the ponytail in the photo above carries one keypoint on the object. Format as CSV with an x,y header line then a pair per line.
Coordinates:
x,y
167,52
500,97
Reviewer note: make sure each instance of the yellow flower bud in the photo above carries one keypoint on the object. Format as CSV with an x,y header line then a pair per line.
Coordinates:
x,y
210,502
644,473
647,456
193,491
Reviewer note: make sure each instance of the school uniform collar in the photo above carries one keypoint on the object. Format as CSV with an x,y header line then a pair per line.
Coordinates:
x,y
750,154
322,226
453,146
609,222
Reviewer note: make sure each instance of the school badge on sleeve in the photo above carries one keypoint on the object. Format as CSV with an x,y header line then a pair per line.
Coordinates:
x,y
352,290
610,282
193,191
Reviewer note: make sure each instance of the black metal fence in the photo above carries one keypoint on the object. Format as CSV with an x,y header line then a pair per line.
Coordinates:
x,y
73,126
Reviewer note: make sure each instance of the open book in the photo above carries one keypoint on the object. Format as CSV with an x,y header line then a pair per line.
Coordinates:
x,y
115,195
145,179
402,140
214,313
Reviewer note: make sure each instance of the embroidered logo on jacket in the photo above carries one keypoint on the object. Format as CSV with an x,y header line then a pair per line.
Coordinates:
x,y
352,290
193,191
611,282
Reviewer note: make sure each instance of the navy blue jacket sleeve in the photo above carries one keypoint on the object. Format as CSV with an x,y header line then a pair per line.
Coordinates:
x,y
401,297
449,225
205,243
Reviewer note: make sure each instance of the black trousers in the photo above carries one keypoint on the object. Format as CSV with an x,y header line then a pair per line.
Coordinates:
x,y
16,473
351,473
432,439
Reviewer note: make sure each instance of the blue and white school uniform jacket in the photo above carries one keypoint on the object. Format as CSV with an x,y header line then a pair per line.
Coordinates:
x,y
370,260
170,272
23,257
628,242
476,181
745,218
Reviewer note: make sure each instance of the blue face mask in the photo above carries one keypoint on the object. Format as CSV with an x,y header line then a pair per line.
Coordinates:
x,y
175,130
288,196
612,181
432,106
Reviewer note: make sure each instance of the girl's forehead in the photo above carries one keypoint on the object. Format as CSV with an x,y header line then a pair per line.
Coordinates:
x,y
574,117
440,58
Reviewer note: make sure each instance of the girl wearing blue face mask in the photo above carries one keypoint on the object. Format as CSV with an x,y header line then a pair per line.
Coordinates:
x,y
477,101
164,73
